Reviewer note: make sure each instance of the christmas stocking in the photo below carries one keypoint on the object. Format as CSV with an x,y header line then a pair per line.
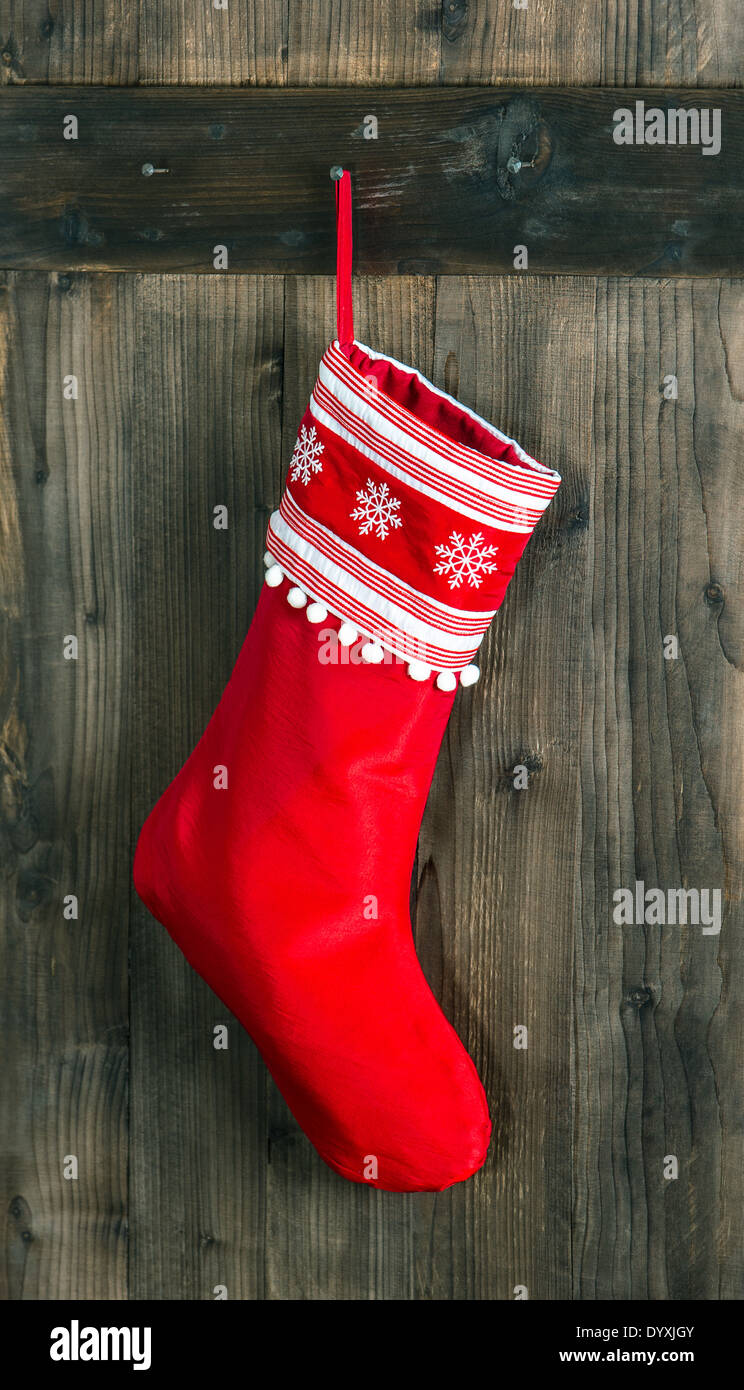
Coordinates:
x,y
280,858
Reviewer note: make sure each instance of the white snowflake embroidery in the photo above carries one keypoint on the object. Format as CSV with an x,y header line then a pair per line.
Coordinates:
x,y
465,559
376,509
306,457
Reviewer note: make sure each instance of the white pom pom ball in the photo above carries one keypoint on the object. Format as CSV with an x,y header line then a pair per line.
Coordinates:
x,y
316,613
469,675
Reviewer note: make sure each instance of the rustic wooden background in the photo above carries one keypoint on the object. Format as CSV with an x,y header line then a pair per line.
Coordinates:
x,y
192,1172
478,172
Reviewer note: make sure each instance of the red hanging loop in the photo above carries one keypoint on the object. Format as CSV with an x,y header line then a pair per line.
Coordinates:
x,y
344,310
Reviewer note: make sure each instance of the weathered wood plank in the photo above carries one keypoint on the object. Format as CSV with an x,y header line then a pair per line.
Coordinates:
x,y
611,43
546,43
306,42
658,1008
498,866
193,43
64,749
376,44
207,388
41,42
121,43
249,172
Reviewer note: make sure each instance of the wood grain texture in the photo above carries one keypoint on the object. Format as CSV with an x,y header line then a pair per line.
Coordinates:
x,y
418,42
64,748
498,866
658,1016
548,43
190,42
207,388
438,190
380,43
611,43
123,43
74,43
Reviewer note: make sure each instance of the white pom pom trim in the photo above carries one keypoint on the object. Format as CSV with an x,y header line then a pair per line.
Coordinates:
x,y
269,559
348,634
316,613
469,675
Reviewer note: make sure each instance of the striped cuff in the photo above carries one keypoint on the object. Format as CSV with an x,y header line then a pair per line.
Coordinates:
x,y
404,513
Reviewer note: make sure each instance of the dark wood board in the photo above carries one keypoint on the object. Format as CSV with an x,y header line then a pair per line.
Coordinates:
x,y
658,1009
435,193
64,804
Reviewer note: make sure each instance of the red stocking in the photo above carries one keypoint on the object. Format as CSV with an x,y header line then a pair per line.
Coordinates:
x,y
280,857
